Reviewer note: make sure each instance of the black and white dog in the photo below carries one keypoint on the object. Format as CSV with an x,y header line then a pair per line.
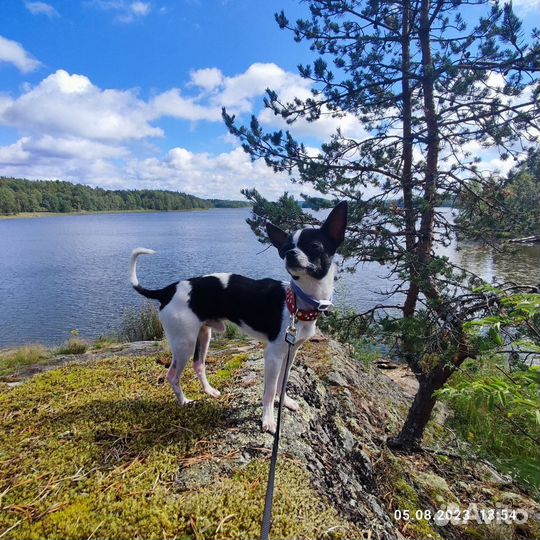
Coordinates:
x,y
262,308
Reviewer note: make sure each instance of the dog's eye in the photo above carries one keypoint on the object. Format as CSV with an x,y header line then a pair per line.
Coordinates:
x,y
316,246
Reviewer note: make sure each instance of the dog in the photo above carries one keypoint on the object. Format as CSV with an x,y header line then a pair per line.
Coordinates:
x,y
263,308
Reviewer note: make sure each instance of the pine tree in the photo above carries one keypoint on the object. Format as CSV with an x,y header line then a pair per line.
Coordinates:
x,y
433,92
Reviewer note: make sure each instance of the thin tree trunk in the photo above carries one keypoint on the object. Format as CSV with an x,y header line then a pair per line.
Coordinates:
x,y
412,432
432,125
407,157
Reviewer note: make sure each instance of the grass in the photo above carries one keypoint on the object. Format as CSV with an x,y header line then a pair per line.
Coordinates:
x,y
23,357
96,451
141,324
74,345
104,342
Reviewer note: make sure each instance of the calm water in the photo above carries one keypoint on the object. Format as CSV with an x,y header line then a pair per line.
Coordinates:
x,y
71,272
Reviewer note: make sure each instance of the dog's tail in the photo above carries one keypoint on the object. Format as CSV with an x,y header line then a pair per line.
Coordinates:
x,y
134,280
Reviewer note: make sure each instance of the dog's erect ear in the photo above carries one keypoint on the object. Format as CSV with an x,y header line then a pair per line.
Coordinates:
x,y
336,223
276,235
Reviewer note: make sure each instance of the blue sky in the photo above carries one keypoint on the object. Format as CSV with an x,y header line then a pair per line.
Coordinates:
x,y
127,93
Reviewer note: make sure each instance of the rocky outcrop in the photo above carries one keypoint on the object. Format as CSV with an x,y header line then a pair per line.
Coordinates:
x,y
115,405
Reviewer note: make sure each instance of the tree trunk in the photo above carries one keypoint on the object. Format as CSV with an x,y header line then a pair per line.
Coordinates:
x,y
407,156
425,239
412,432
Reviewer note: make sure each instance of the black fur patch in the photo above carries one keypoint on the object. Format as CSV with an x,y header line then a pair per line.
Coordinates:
x,y
318,248
256,302
163,295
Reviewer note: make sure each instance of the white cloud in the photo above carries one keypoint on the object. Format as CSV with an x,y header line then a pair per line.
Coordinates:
x,y
206,175
12,52
70,105
207,79
239,92
41,8
172,103
71,129
525,6
125,12
140,8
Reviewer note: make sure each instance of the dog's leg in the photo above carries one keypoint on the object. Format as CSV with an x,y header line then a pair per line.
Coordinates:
x,y
289,402
182,352
273,360
203,341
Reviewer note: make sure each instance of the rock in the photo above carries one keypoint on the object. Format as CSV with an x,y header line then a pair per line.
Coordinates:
x,y
436,488
490,475
336,379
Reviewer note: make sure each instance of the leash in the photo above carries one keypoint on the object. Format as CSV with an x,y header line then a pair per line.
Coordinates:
x,y
290,338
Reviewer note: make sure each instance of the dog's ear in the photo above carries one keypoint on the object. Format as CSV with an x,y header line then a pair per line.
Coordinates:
x,y
336,223
277,236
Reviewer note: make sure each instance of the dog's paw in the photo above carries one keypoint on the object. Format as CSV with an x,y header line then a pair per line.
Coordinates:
x,y
291,404
211,391
269,425
185,402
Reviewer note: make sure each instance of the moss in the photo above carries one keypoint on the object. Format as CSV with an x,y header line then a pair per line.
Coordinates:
x,y
402,496
435,488
489,531
30,355
225,374
233,507
95,450
317,356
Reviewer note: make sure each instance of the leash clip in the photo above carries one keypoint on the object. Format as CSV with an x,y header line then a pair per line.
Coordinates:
x,y
290,333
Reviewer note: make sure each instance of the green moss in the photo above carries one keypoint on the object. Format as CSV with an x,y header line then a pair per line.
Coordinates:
x,y
225,374
403,496
23,357
95,451
435,488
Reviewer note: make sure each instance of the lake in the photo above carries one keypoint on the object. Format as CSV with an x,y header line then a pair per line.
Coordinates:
x,y
72,272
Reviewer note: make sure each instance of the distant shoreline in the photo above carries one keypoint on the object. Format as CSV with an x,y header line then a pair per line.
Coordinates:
x,y
33,215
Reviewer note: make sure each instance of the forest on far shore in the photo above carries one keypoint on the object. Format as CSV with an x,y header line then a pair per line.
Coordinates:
x,y
19,195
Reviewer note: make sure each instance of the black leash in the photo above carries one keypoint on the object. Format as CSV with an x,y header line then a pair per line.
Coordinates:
x,y
290,338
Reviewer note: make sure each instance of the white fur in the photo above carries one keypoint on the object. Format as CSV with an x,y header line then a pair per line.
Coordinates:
x,y
301,257
134,254
223,277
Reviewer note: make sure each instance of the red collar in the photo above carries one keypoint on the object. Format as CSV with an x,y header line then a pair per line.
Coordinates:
x,y
301,314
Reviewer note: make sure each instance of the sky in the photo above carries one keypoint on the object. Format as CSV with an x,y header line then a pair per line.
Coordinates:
x,y
128,93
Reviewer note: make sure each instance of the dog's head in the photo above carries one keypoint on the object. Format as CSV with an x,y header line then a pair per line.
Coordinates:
x,y
310,251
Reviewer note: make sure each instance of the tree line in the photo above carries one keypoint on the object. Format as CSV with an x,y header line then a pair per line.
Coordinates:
x,y
19,195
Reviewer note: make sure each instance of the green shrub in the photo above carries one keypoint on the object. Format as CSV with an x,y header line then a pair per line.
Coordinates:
x,y
141,324
232,331
29,355
497,413
74,345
